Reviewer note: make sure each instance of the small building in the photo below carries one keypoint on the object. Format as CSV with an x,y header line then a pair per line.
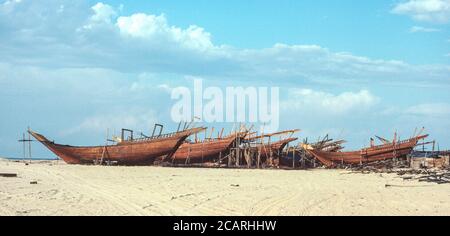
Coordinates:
x,y
423,159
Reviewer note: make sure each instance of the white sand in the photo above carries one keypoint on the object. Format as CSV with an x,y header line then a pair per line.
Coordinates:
x,y
95,190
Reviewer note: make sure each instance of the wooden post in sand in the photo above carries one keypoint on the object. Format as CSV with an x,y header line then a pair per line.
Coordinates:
x,y
293,157
29,140
270,153
303,156
229,157
246,156
250,159
186,162
238,151
259,149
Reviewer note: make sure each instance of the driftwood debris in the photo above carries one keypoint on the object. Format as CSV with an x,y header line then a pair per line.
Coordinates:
x,y
427,175
8,175
385,166
438,176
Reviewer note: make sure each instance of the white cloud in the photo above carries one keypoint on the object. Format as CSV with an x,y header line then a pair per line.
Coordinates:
x,y
425,10
103,13
155,28
318,64
318,101
79,101
11,2
132,118
9,5
166,88
418,29
150,83
99,36
429,109
142,25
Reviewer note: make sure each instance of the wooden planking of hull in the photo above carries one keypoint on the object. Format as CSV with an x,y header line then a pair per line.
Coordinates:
x,y
206,151
136,152
367,155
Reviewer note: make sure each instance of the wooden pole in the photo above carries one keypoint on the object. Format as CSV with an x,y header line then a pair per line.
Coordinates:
x,y
259,149
29,146
270,152
188,156
221,133
238,151
303,160
293,157
23,140
210,135
231,153
258,162
24,151
203,147
248,158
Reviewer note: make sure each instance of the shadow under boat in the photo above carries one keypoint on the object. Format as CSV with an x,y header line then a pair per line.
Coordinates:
x,y
142,151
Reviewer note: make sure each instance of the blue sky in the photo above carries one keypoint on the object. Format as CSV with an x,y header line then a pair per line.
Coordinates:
x,y
353,69
361,27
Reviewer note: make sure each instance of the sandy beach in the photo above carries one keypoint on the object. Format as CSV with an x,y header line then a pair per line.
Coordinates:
x,y
100,190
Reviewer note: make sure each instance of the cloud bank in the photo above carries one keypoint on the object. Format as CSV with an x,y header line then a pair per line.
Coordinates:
x,y
72,34
435,11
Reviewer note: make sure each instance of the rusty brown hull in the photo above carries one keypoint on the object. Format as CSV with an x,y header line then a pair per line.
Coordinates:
x,y
142,152
367,155
202,152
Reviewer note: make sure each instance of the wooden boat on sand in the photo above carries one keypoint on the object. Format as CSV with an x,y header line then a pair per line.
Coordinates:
x,y
206,150
270,151
395,149
141,151
273,149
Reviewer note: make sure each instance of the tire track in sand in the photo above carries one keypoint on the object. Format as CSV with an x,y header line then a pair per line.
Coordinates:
x,y
268,205
108,198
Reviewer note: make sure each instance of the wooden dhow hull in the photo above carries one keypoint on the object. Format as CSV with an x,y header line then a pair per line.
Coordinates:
x,y
206,151
139,152
367,155
273,149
